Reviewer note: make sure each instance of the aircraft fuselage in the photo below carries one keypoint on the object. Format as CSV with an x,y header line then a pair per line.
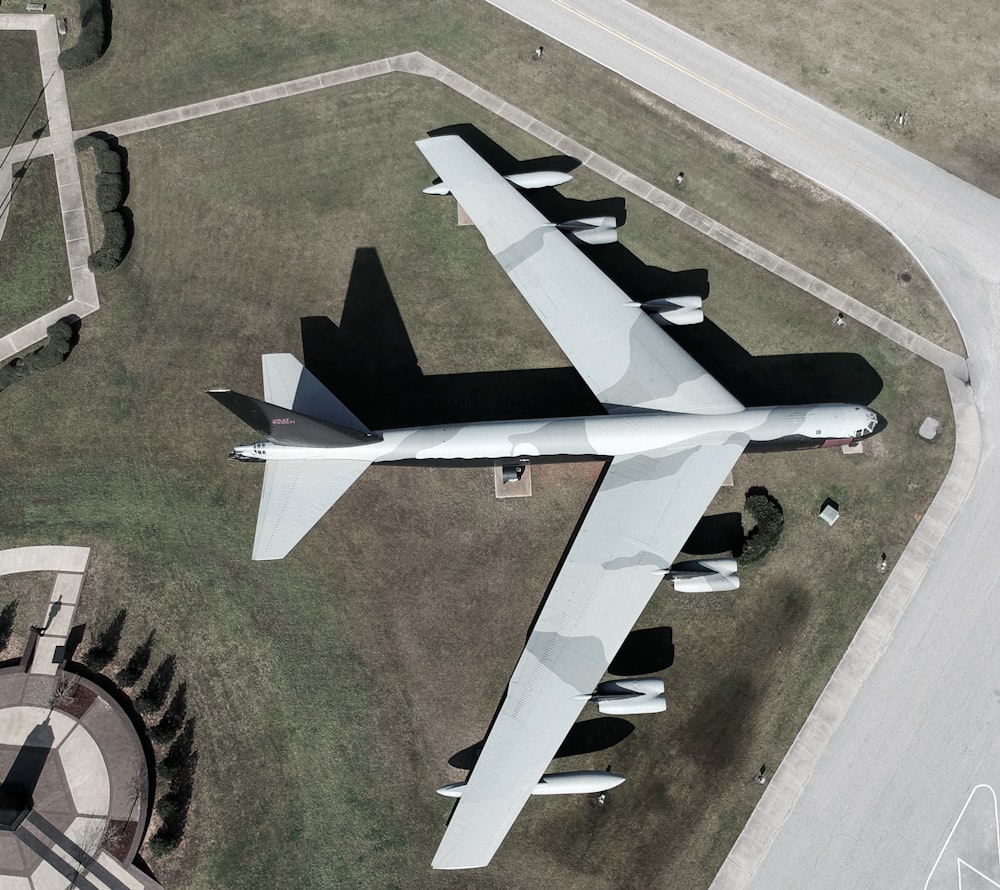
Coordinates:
x,y
777,428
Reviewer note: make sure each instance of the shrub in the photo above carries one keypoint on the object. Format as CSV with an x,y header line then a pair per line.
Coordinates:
x,y
163,842
108,160
172,807
173,716
92,41
110,254
110,192
55,350
769,524
50,355
181,759
7,617
105,648
137,664
155,694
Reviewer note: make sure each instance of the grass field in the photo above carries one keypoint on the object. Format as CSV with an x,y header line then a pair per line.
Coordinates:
x,y
331,688
35,274
200,51
22,111
874,61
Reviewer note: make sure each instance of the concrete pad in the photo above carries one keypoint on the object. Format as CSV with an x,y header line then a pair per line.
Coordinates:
x,y
75,224
120,873
17,723
856,448
47,877
519,489
86,772
44,559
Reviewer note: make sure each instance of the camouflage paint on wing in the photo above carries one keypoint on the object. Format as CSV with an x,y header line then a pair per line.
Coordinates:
x,y
646,507
622,354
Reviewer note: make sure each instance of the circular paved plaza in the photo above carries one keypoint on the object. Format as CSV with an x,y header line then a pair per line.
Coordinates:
x,y
74,786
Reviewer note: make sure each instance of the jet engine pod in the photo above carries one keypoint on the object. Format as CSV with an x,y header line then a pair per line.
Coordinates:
x,y
538,179
592,229
580,782
675,310
704,575
643,695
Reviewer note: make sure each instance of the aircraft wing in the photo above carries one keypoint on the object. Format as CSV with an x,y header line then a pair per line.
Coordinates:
x,y
623,355
644,510
295,496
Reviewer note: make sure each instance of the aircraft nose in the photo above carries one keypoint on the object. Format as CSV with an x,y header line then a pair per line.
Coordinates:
x,y
880,423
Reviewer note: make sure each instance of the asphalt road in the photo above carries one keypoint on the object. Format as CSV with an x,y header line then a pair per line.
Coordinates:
x,y
879,803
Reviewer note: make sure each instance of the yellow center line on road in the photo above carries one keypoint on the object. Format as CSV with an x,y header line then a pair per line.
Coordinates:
x,y
722,91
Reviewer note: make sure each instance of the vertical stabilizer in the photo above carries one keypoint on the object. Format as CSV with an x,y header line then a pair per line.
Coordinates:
x,y
289,384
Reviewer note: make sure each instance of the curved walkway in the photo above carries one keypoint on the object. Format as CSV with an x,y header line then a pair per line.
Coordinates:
x,y
902,743
83,766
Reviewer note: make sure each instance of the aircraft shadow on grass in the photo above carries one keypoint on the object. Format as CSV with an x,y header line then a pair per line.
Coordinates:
x,y
585,737
369,361
754,380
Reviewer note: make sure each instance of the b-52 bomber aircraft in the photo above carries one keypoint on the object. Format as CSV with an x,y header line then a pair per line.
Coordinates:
x,y
671,434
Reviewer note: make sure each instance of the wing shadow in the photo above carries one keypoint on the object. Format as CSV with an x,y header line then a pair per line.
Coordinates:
x,y
368,360
646,651
585,737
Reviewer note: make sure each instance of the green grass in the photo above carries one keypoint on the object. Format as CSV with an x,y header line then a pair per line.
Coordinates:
x,y
872,62
22,110
330,688
35,275
198,52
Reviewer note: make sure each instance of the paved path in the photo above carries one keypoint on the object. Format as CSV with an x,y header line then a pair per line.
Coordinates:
x,y
419,64
69,564
914,199
93,773
74,219
909,723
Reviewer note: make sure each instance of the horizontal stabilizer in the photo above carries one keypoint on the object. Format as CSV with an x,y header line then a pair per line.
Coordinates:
x,y
286,427
296,495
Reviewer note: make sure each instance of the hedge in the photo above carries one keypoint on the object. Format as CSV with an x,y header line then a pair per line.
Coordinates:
x,y
770,522
52,354
110,191
110,254
92,41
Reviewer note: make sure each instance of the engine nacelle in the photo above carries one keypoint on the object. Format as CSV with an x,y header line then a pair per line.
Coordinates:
x,y
704,575
643,695
591,229
538,179
675,310
582,782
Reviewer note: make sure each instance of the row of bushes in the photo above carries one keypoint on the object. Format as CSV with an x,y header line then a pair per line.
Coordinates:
x,y
93,40
111,190
50,355
177,765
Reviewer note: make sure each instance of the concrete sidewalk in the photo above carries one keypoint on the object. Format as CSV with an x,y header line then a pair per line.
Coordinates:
x,y
74,220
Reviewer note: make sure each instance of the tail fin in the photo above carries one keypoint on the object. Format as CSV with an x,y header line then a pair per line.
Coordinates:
x,y
284,426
